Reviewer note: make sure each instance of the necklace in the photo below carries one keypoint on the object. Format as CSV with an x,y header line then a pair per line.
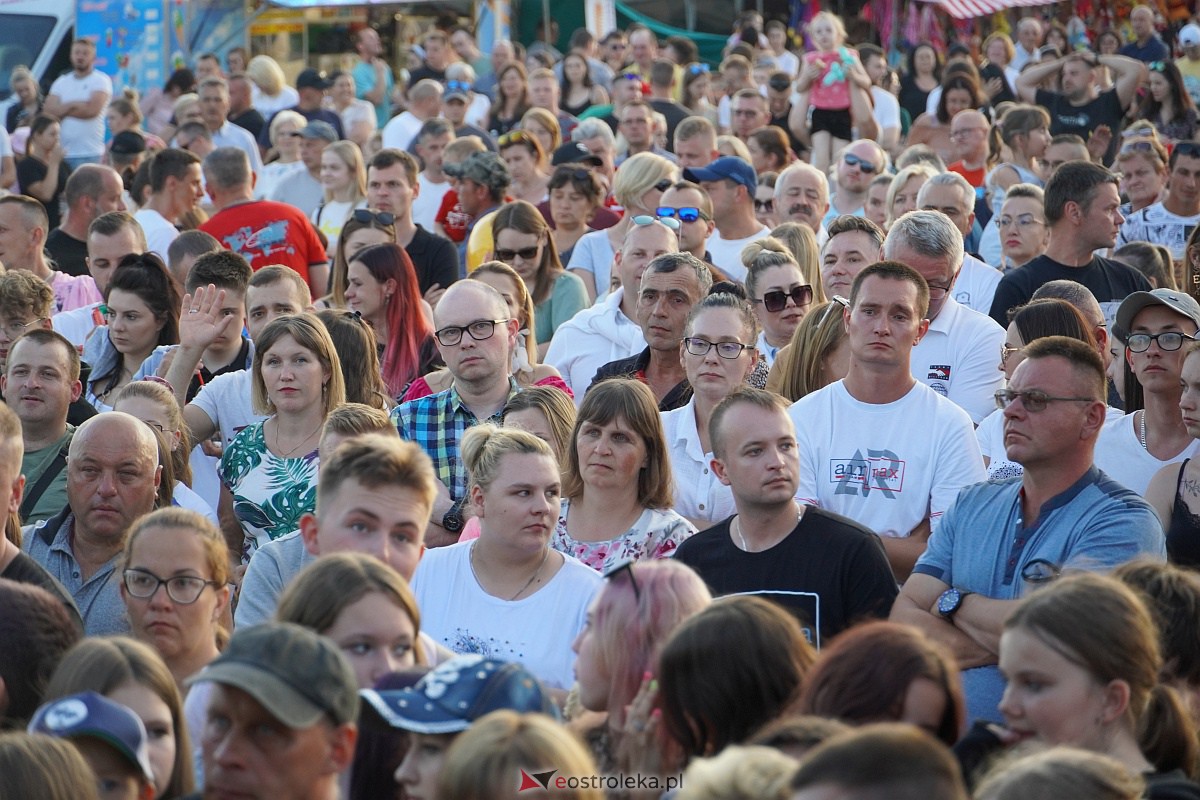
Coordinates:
x,y
736,527
528,583
288,453
737,522
1142,430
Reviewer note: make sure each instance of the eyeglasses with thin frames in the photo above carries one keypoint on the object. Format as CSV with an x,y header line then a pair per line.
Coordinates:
x,y
15,329
1007,350
1034,400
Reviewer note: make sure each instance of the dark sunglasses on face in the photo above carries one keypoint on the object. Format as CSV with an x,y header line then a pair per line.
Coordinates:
x,y
664,184
685,214
764,205
777,301
526,254
852,160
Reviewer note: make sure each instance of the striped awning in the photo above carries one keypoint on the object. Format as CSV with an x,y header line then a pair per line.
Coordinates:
x,y
970,9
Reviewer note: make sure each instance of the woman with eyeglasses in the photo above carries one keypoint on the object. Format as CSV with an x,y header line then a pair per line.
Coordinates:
x,y
512,99
719,352
778,292
617,495
638,187
817,355
508,592
575,194
269,471
697,85
579,93
1082,662
639,607
1142,164
526,160
381,285
1168,104
1022,226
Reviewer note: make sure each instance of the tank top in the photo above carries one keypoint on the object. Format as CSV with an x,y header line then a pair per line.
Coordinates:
x,y
1183,533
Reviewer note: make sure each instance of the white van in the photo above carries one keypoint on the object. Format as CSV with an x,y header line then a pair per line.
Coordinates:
x,y
38,35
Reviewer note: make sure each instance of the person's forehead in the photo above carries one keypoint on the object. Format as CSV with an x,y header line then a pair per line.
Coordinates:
x,y
27,351
682,278
863,150
467,305
121,243
755,423
851,241
880,289
1045,372
806,180
649,236
682,198
281,291
938,194
929,266
1066,152
393,172
1189,163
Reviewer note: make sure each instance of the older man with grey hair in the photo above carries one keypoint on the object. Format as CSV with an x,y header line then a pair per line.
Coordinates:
x,y
957,357
951,194
802,195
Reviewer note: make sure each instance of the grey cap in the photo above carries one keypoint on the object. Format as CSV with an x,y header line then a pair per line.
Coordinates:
x,y
486,169
1179,302
319,129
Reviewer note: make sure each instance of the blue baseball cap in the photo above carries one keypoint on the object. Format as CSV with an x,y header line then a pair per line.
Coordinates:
x,y
457,692
95,716
729,168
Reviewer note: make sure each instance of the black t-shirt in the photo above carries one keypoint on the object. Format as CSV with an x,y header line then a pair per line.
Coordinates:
x,y
31,170
250,120
426,71
1109,281
434,258
830,571
24,569
69,253
674,114
1082,120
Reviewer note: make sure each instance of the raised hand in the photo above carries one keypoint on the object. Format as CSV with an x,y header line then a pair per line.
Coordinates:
x,y
201,321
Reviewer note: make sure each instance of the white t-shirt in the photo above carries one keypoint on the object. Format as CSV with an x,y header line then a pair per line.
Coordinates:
x,y
1157,225
1119,453
699,494
536,631
887,466
226,401
400,130
82,137
330,218
727,253
428,200
787,62
887,108
78,323
594,253
159,232
957,358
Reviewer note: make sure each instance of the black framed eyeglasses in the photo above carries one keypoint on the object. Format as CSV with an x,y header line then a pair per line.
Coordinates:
x,y
479,330
182,589
1034,400
1039,570
625,567
525,254
938,292
776,300
852,160
1168,341
366,216
685,214
700,347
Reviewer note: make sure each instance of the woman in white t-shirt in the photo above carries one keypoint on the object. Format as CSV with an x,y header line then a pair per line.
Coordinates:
x,y
344,178
508,594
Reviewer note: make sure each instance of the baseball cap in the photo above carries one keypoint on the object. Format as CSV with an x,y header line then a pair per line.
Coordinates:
x,y
574,153
93,715
458,692
319,129
486,169
1179,302
296,675
311,79
128,143
725,168
1189,35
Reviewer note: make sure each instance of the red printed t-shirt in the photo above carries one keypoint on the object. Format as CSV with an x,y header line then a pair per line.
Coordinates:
x,y
265,232
452,218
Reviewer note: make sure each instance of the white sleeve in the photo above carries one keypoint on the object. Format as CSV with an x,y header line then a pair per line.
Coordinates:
x,y
958,463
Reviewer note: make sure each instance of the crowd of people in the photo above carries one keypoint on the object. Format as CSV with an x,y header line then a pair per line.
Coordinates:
x,y
608,423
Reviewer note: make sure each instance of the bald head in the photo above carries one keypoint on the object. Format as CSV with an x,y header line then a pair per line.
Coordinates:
x,y
112,477
133,434
475,294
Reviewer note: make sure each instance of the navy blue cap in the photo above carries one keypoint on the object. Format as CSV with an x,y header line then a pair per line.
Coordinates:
x,y
95,716
725,168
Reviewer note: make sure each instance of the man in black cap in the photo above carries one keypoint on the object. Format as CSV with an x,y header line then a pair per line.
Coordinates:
x,y
311,85
281,717
302,188
126,153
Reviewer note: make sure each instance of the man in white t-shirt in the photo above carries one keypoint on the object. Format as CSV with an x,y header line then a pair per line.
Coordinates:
x,y
951,194
79,98
176,187
957,356
878,446
886,105
431,141
424,103
730,183
1170,221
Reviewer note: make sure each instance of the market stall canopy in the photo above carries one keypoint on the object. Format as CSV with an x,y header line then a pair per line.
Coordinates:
x,y
970,9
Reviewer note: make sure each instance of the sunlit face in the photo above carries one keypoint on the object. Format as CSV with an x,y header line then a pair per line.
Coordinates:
x,y
1158,370
1102,218
388,189
365,294
643,244
132,326
759,459
885,323
38,384
1023,231
844,256
266,303
519,509
664,302
376,636
385,521
779,325
1142,179
711,375
160,728
335,173
876,206
1041,438
611,455
293,375
905,199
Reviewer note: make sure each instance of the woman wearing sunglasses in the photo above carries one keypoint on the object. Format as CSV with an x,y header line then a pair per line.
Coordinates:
x,y
718,353
778,291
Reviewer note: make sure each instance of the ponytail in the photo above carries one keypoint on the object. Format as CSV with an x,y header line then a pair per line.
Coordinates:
x,y
1166,733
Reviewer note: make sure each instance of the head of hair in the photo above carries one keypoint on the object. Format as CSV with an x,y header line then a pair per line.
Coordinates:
x,y
1181,99
33,213
1074,293
308,332
559,411
216,552
169,163
193,244
1147,259
911,60
670,262
522,299
146,276
548,121
583,181
850,222
37,630
408,327
633,403
801,242
769,401
222,268
739,771
113,223
158,393
1021,120
341,263
283,118
23,294
738,305
350,155
42,336
1060,773
103,665
227,168
523,217
929,233
266,74
774,142
796,735
959,82
317,596
46,767
864,674
86,180
884,760
638,175
894,270
802,366
1172,596
376,460
277,273
1074,182
1081,355
389,157
354,340
502,744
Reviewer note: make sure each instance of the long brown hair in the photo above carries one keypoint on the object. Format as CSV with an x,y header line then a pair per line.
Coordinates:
x,y
524,217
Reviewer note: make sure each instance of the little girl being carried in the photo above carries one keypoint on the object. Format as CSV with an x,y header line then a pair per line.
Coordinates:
x,y
826,77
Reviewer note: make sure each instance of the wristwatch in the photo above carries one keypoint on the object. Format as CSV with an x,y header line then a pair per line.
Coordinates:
x,y
452,521
951,601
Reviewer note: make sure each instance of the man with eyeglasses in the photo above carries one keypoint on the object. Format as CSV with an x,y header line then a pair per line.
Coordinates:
x,y
112,479
956,356
1082,209
1170,221
828,570
749,111
879,446
1158,327
475,338
1064,510
858,165
730,183
952,195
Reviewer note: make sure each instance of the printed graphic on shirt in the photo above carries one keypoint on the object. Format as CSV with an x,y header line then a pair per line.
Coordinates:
x,y
881,470
804,606
939,377
261,243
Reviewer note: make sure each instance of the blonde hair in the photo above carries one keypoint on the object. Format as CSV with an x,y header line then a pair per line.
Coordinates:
x,y
281,119
1060,773
799,369
832,19
639,174
903,177
739,772
484,446
524,301
802,243
544,118
37,765
266,74
352,157
311,334
158,393
732,146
